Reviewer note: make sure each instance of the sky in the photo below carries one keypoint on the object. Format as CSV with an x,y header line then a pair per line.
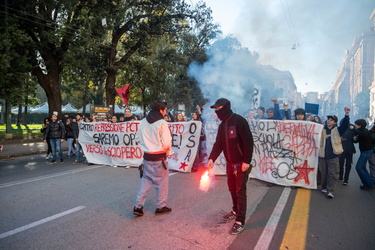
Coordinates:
x,y
320,31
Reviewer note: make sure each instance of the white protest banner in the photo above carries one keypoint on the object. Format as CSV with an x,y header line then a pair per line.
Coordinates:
x,y
110,143
185,142
285,152
115,144
210,128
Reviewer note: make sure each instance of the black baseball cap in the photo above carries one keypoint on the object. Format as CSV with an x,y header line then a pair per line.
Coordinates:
x,y
333,117
220,102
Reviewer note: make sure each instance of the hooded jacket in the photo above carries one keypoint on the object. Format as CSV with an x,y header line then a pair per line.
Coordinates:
x,y
153,134
233,137
330,140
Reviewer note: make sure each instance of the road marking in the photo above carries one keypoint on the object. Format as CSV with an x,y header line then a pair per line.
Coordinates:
x,y
269,230
296,230
14,183
40,222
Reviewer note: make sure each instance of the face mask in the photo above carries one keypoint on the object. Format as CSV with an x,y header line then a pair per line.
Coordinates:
x,y
224,112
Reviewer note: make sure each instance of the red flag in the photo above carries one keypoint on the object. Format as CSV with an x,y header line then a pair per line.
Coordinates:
x,y
124,93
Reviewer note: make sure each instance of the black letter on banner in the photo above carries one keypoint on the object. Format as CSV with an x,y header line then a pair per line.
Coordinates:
x,y
128,139
188,156
191,139
174,140
192,126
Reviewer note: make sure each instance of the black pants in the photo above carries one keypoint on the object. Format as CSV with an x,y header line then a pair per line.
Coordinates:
x,y
237,181
347,159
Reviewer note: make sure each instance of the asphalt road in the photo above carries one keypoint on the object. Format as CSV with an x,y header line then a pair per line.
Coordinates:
x,y
66,206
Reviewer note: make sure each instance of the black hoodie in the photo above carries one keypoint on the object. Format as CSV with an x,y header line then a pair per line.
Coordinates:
x,y
233,137
154,116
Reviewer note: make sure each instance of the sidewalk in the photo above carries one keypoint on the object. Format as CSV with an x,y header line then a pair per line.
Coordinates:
x,y
29,148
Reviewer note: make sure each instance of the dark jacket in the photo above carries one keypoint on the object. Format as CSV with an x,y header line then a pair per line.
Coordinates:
x,y
72,130
130,118
55,130
347,141
363,138
287,114
235,139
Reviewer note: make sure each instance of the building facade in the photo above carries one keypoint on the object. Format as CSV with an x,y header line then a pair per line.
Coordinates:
x,y
354,85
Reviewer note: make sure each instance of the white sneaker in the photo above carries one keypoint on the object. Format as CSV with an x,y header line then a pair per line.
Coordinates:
x,y
330,195
324,190
115,166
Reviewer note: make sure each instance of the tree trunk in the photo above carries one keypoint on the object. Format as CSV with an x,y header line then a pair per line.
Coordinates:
x,y
110,89
85,97
26,111
19,115
8,117
51,83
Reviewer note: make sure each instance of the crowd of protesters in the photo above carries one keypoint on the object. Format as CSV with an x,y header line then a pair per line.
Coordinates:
x,y
337,147
335,160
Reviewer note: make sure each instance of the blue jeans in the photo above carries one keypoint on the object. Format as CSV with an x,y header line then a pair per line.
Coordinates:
x,y
361,169
78,148
154,173
56,145
70,146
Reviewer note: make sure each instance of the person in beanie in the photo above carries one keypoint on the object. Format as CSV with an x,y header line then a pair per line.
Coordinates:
x,y
155,141
235,139
330,151
363,138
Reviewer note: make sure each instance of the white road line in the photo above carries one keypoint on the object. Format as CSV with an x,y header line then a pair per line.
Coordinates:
x,y
9,184
267,234
40,222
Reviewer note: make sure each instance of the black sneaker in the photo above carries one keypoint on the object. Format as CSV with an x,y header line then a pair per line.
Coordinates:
x,y
237,228
230,216
53,162
61,161
138,211
163,210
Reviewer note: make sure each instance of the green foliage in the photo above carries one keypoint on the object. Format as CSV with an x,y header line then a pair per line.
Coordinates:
x,y
77,58
16,82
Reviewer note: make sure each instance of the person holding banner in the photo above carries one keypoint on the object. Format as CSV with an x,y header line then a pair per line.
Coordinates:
x,y
330,151
155,141
260,114
128,116
235,139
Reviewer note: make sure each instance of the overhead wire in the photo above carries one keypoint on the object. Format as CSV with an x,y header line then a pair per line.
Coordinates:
x,y
292,30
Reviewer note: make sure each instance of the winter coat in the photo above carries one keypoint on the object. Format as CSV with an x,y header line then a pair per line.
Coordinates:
x,y
55,130
235,139
71,130
363,138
